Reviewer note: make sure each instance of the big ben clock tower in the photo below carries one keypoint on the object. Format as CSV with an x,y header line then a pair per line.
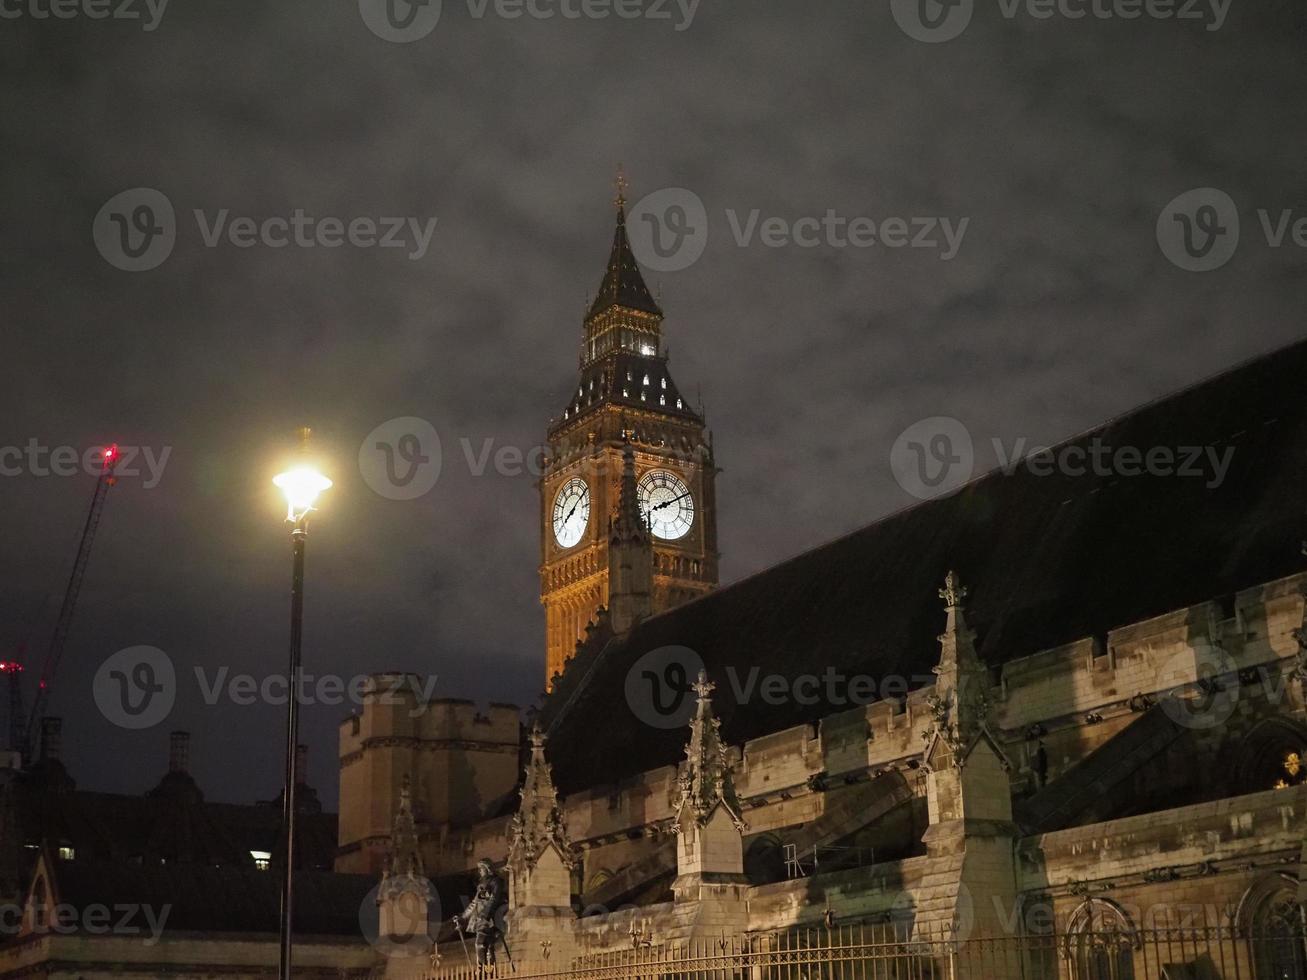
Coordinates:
x,y
627,504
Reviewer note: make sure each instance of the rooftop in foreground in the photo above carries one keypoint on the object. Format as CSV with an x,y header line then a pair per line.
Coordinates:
x,y
1049,559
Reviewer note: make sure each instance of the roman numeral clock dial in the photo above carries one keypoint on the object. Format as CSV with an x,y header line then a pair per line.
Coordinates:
x,y
667,503
571,512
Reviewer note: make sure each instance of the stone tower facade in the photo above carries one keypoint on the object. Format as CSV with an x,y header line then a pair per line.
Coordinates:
x,y
625,404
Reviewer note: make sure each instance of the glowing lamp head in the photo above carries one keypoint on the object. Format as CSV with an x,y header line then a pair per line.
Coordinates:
x,y
301,487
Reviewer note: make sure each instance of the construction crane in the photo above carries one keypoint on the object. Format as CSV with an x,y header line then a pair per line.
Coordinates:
x,y
13,671
108,463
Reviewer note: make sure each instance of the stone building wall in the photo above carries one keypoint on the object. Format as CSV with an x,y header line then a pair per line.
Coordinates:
x,y
1209,837
463,763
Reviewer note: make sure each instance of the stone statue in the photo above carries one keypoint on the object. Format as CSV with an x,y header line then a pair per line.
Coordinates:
x,y
481,915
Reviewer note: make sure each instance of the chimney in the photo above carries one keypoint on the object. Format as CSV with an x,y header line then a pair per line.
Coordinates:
x,y
52,739
301,765
179,752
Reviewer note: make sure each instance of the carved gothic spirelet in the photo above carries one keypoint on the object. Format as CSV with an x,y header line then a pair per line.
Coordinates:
x,y
960,707
705,781
404,873
538,823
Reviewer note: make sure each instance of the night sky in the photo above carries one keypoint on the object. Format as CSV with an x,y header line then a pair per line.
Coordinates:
x,y
1060,141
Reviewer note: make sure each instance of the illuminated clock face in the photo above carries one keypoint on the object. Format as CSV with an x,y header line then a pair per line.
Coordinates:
x,y
571,512
666,502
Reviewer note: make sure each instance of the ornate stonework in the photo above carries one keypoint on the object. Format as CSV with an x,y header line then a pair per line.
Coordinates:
x,y
404,873
960,707
538,823
705,780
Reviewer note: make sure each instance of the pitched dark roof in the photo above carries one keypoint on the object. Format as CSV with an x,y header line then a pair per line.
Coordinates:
x,y
623,285
1049,559
638,381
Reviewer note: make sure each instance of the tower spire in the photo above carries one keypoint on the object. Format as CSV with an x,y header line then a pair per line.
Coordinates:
x,y
623,287
620,200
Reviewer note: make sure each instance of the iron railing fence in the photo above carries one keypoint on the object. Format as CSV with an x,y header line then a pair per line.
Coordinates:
x,y
897,951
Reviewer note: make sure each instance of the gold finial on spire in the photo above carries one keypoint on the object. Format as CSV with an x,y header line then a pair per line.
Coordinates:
x,y
622,187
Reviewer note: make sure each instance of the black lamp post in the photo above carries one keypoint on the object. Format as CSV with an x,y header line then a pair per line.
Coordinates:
x,y
301,485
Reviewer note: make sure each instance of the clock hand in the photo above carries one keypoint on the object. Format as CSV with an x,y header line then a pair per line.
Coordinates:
x,y
572,511
668,503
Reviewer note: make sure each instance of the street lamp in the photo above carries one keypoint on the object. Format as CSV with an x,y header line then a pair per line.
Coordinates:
x,y
301,485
